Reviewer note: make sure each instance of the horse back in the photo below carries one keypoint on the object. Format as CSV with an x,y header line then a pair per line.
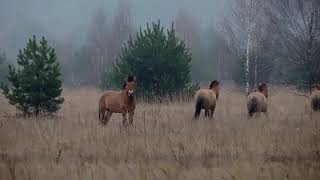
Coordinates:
x,y
209,97
258,100
116,102
112,101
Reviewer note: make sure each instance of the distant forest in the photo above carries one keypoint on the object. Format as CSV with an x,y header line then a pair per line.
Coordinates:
x,y
254,41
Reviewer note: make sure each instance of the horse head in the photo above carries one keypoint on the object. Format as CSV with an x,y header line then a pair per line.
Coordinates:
x,y
315,87
214,85
263,88
129,87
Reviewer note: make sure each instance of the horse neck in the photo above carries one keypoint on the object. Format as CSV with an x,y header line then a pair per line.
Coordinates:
x,y
215,92
126,98
263,93
212,89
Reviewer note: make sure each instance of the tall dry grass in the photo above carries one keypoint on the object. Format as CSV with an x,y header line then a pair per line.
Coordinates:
x,y
164,143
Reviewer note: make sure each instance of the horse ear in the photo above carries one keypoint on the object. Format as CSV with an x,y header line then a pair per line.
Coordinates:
x,y
214,83
124,86
131,79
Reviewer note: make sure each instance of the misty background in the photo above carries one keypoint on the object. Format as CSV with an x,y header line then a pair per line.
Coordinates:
x,y
70,20
68,24
247,41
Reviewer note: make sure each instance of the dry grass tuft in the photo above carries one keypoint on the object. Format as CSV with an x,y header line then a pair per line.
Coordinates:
x,y
164,143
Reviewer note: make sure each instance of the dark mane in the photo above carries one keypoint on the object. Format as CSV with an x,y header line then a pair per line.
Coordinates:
x,y
130,79
213,83
262,86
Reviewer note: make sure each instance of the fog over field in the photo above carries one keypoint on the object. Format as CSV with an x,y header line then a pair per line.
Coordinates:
x,y
239,40
62,19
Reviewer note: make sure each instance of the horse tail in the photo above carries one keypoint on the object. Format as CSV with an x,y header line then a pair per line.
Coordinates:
x,y
199,105
252,106
101,107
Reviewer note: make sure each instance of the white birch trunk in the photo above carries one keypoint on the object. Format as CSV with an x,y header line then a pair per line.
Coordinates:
x,y
219,67
247,60
255,70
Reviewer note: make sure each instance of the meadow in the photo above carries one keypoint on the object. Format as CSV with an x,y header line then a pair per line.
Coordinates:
x,y
165,143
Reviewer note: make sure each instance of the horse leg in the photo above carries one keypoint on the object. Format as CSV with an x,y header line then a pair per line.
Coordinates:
x,y
266,114
102,115
131,113
206,113
124,118
107,117
212,112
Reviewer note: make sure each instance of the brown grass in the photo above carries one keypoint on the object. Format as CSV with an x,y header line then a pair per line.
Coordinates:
x,y
164,144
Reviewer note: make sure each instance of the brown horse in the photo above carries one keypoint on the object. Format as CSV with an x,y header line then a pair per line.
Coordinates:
x,y
206,99
315,97
257,101
118,102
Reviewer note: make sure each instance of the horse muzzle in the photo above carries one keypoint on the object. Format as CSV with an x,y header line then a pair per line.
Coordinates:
x,y
130,94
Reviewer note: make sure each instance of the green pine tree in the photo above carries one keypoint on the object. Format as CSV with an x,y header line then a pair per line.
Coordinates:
x,y
159,60
35,85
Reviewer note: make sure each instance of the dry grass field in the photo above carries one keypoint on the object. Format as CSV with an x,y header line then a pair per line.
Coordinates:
x,y
164,143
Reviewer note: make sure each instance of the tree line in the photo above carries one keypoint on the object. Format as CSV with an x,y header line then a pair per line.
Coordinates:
x,y
156,57
257,41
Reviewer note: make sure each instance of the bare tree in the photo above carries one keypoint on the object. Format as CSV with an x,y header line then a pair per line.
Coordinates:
x,y
99,38
299,29
241,26
106,38
186,28
265,41
122,28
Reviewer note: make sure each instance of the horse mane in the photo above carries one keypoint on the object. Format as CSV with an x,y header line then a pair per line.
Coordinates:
x,y
130,78
213,83
262,86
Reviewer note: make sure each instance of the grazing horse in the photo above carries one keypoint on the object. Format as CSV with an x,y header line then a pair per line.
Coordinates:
x,y
206,99
257,101
315,97
118,102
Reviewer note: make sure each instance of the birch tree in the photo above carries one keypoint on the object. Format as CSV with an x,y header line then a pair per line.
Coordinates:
x,y
240,27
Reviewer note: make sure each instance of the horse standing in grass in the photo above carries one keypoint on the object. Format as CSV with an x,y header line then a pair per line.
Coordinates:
x,y
257,101
206,99
315,98
118,102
